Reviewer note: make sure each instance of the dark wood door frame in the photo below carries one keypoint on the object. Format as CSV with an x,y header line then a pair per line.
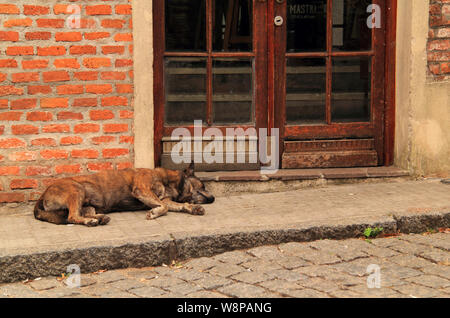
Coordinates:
x,y
268,115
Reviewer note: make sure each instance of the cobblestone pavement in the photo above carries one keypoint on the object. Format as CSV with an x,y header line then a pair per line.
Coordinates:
x,y
410,266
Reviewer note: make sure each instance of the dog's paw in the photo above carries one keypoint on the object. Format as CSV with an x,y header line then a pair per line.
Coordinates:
x,y
198,210
104,220
151,216
91,222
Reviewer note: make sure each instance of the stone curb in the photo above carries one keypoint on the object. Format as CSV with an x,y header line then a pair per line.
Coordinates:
x,y
183,246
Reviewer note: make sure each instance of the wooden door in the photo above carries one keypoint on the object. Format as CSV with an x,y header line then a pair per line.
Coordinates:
x,y
210,65
328,62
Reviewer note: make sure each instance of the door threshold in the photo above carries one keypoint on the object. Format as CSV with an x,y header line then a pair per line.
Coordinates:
x,y
305,174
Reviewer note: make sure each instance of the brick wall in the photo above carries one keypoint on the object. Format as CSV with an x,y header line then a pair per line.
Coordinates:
x,y
66,93
439,39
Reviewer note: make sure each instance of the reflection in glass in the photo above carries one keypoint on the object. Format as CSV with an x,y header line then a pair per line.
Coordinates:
x,y
185,25
351,89
305,91
350,29
306,25
232,25
185,83
232,91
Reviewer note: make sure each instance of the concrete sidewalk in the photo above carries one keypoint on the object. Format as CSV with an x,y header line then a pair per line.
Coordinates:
x,y
30,248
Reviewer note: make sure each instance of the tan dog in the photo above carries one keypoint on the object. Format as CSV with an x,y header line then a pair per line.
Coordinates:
x,y
85,199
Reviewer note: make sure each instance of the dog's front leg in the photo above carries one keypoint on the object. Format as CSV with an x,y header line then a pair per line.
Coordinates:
x,y
90,211
158,208
184,207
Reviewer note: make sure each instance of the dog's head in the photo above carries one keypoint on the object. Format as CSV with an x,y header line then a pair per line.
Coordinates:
x,y
193,189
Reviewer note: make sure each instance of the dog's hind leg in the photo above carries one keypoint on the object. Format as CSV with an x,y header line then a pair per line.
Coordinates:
x,y
90,212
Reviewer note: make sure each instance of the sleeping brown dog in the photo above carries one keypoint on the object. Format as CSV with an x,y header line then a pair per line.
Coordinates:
x,y
86,199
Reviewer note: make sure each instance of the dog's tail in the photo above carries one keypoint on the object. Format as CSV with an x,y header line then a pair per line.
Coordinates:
x,y
56,217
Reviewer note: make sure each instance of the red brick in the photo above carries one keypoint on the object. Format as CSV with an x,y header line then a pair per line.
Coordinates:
x,y
126,114
10,90
39,89
101,114
38,36
9,9
99,88
39,116
123,37
9,171
3,105
56,76
71,140
126,140
25,77
68,36
12,36
85,153
43,142
11,143
31,64
12,197
114,101
50,23
124,165
113,23
23,184
69,89
86,76
123,62
35,10
54,154
97,166
96,35
123,9
23,156
82,49
66,63
124,88
114,152
69,116
85,102
118,76
103,140
113,49
24,130
38,170
63,9
115,128
3,77
86,128
10,116
18,23
68,169
9,63
101,9
56,128
20,50
96,62
54,102
51,51
26,103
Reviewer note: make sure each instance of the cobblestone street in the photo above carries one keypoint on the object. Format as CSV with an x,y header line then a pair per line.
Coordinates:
x,y
410,266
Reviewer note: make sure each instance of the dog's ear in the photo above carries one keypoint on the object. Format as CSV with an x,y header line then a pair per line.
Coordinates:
x,y
189,171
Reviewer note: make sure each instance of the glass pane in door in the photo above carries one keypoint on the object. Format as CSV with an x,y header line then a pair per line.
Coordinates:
x,y
185,84
351,89
185,25
306,25
305,91
232,25
350,29
232,91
